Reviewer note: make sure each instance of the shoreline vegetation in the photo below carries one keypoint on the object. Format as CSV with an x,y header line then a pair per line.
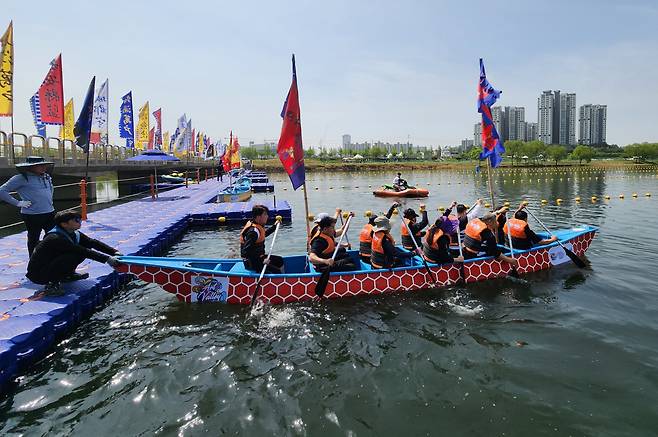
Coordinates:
x,y
317,165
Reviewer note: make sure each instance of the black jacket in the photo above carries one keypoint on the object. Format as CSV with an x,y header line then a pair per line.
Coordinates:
x,y
54,244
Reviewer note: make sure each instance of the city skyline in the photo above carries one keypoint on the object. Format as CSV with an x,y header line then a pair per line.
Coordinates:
x,y
227,66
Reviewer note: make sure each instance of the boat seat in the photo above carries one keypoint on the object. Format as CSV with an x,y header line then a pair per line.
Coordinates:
x,y
239,267
365,266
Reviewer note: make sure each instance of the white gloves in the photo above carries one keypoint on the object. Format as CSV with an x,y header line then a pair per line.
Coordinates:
x,y
112,261
24,204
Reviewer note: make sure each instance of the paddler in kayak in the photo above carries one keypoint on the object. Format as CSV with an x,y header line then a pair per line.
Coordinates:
x,y
436,244
480,237
365,237
400,184
410,217
523,237
323,245
252,243
384,253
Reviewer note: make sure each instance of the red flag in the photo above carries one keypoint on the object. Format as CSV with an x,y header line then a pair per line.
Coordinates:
x,y
151,134
290,149
51,94
226,159
235,154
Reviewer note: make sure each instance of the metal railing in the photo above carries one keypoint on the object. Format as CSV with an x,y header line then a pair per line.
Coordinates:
x,y
14,148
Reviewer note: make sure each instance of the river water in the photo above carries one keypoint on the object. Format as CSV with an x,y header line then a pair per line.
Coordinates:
x,y
565,352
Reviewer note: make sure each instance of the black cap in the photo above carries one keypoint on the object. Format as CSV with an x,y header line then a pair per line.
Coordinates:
x,y
327,221
409,213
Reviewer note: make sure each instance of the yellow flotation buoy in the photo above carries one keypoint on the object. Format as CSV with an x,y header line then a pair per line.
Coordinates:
x,y
368,213
621,196
634,194
278,218
647,194
559,200
607,197
544,201
487,205
346,214
594,198
506,203
310,217
577,199
441,208
221,219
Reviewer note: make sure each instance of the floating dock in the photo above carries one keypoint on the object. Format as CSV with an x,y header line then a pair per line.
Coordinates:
x,y
262,187
31,322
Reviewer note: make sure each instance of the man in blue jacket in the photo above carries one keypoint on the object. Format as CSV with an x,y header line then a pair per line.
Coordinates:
x,y
35,189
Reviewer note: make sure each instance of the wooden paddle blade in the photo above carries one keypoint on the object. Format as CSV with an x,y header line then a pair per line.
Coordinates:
x,y
575,258
322,283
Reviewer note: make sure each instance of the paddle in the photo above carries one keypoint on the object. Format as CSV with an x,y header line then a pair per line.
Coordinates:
x,y
324,277
262,272
513,273
427,267
342,223
575,258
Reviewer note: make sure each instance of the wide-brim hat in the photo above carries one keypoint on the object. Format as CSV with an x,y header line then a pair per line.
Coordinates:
x,y
382,224
31,161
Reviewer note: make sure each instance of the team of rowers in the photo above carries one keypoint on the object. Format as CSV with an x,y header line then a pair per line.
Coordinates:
x,y
438,244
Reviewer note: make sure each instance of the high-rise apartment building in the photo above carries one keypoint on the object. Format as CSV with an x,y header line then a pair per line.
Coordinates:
x,y
592,124
531,131
556,115
347,140
477,134
515,118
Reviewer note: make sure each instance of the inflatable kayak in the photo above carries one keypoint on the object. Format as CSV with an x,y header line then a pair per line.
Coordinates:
x,y
389,191
227,280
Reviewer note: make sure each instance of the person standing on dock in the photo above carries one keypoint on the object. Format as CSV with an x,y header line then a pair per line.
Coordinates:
x,y
61,251
323,246
365,237
35,189
416,229
252,242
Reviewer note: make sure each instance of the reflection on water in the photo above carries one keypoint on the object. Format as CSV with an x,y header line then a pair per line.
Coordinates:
x,y
567,352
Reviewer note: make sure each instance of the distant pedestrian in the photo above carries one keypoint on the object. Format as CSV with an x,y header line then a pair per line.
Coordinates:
x,y
61,251
35,189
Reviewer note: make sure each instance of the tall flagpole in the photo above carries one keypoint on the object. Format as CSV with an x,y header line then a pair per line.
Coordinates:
x,y
490,177
308,225
13,156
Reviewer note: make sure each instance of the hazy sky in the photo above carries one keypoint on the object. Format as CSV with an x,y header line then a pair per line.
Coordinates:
x,y
379,70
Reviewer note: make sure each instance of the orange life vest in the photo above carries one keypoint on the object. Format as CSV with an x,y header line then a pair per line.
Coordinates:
x,y
331,245
473,237
378,258
431,246
315,230
516,228
259,248
365,240
407,242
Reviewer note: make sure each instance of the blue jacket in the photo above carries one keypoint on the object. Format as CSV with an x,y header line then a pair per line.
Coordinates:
x,y
29,186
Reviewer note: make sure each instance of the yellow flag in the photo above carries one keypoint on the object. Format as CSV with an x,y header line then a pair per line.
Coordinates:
x,y
66,131
143,127
7,73
165,142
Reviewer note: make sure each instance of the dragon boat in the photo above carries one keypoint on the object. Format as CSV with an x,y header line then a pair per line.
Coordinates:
x,y
240,191
389,191
227,280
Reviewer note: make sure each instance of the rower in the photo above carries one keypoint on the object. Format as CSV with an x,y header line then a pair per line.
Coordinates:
x,y
464,216
365,237
409,217
252,243
480,236
449,223
323,246
523,237
316,228
384,253
436,245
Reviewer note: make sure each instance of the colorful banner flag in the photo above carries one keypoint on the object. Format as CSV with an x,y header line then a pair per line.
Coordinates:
x,y
166,145
51,94
126,121
99,133
492,145
235,154
158,129
226,159
36,115
193,142
143,127
66,131
7,72
290,149
82,128
178,140
189,133
151,146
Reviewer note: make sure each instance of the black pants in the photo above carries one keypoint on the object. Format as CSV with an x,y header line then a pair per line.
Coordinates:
x,y
34,224
57,269
274,266
341,264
